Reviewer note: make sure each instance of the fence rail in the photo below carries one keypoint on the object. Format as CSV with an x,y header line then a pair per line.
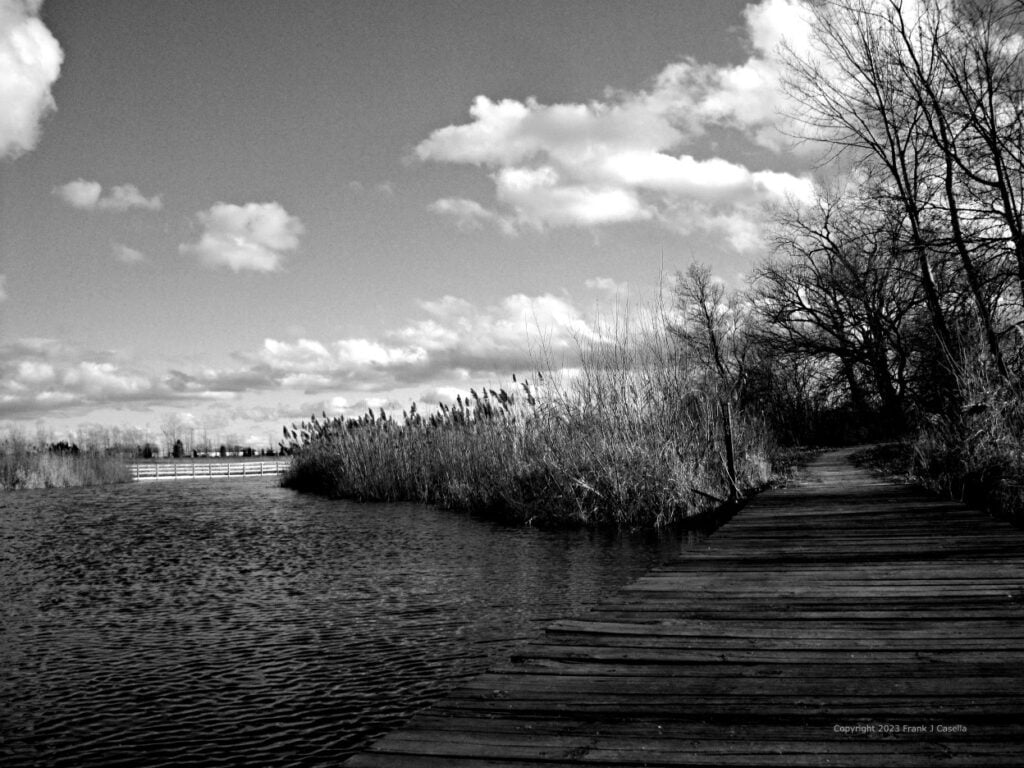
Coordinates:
x,y
198,470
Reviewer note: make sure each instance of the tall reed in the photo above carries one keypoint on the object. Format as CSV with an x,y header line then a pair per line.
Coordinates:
x,y
23,465
627,438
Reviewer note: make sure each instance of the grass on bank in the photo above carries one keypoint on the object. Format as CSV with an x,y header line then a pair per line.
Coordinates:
x,y
626,440
975,455
24,467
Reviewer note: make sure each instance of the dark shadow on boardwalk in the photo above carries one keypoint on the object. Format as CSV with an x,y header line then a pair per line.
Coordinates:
x,y
843,621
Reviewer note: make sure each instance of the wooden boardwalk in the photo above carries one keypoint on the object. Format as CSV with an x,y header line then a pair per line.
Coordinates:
x,y
843,621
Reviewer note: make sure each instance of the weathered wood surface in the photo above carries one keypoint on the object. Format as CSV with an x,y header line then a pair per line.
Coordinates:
x,y
843,621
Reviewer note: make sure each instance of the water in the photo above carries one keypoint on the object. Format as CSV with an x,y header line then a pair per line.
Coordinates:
x,y
235,622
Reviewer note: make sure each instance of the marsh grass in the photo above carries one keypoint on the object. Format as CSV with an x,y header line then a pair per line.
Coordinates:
x,y
25,466
974,454
626,439
977,454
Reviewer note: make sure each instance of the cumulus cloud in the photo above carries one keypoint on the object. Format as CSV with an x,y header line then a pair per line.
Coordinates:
x,y
88,196
542,197
623,158
254,236
30,62
773,23
510,132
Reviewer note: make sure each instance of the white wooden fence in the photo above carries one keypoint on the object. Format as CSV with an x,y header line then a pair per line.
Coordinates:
x,y
198,470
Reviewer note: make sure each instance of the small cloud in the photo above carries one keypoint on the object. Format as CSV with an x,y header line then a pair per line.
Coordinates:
x,y
88,196
606,285
254,236
30,61
385,189
127,255
80,193
3,287
128,196
438,395
387,404
332,406
469,214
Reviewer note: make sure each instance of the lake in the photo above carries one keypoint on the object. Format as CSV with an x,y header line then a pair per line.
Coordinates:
x,y
236,622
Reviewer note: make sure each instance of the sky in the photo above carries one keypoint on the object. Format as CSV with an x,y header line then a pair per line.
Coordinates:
x,y
240,212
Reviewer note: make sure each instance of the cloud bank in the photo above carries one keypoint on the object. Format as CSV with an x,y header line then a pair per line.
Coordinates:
x,y
452,342
40,376
30,61
623,158
255,237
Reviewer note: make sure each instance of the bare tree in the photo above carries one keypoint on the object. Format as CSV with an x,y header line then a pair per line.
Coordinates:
x,y
852,94
981,54
929,51
711,326
171,428
841,290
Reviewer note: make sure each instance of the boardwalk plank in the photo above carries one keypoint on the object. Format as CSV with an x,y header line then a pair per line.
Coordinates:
x,y
736,733
843,602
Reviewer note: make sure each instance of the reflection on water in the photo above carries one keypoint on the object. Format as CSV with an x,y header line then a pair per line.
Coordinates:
x,y
192,623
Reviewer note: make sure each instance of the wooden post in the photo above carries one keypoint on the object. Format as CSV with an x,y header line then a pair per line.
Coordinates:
x,y
730,456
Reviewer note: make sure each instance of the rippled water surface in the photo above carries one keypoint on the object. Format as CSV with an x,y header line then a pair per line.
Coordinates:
x,y
235,622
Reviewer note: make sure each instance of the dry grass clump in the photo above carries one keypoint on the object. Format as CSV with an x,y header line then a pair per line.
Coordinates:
x,y
626,440
977,455
23,466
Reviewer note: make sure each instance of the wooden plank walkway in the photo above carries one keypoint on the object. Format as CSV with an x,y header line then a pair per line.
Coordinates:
x,y
843,621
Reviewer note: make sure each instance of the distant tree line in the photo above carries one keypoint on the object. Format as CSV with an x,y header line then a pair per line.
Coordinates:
x,y
132,442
